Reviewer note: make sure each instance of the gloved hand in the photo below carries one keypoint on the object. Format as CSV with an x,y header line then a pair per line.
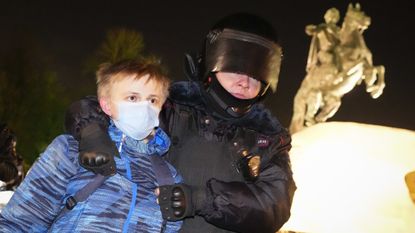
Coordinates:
x,y
179,201
87,123
97,151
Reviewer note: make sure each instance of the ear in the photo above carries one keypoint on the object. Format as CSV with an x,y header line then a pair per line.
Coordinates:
x,y
105,106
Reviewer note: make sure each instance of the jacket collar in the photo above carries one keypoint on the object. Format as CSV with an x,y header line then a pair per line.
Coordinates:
x,y
259,118
158,145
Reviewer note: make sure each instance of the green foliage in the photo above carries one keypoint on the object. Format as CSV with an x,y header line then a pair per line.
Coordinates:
x,y
31,100
119,44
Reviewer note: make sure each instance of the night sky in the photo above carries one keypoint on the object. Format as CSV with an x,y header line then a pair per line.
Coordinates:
x,y
70,31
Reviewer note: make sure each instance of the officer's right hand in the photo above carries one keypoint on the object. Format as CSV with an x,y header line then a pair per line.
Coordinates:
x,y
98,162
97,150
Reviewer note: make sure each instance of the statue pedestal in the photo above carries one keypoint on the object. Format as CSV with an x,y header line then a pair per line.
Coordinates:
x,y
351,178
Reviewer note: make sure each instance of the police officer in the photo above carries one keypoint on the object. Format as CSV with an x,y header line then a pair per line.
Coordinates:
x,y
232,153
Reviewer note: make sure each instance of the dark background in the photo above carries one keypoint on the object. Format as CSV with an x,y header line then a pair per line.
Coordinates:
x,y
69,31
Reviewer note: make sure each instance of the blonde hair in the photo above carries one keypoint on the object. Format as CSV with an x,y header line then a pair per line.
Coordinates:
x,y
109,73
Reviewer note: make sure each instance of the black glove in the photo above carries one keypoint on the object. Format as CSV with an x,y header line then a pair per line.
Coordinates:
x,y
97,151
179,201
87,123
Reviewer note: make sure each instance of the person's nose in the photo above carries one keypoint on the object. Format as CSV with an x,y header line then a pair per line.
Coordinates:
x,y
244,82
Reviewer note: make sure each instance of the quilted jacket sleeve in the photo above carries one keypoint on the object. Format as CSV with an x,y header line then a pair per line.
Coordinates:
x,y
39,198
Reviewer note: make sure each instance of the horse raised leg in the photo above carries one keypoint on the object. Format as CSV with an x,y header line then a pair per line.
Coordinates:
x,y
375,80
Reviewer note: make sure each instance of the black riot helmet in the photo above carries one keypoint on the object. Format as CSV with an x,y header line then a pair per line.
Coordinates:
x,y
241,43
11,164
7,140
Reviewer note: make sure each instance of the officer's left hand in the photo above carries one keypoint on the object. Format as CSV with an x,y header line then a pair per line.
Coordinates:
x,y
175,201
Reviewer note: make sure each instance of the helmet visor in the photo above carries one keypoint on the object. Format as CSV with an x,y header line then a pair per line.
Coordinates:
x,y
244,53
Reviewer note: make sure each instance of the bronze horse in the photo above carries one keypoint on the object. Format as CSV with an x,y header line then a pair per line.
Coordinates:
x,y
338,61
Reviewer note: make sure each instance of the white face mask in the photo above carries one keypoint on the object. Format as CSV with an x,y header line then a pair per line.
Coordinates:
x,y
136,120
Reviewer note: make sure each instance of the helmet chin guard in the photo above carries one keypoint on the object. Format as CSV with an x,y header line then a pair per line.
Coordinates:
x,y
224,103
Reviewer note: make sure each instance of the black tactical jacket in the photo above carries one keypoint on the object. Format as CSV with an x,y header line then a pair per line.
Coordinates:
x,y
240,167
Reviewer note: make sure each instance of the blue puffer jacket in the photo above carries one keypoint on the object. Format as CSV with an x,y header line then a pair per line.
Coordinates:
x,y
125,202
